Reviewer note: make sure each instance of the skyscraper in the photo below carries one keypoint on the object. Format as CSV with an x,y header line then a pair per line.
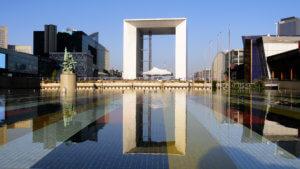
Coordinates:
x,y
38,43
289,26
50,38
3,37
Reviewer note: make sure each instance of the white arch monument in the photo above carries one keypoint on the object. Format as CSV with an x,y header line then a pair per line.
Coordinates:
x,y
134,29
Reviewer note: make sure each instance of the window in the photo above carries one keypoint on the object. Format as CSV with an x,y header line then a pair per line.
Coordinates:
x,y
2,60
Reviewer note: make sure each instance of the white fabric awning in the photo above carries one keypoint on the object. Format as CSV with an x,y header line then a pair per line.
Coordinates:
x,y
102,74
157,72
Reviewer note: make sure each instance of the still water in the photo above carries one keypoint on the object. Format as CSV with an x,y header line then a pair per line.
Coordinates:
x,y
157,129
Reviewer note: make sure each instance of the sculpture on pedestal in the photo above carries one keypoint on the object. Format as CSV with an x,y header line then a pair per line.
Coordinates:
x,y
68,76
69,63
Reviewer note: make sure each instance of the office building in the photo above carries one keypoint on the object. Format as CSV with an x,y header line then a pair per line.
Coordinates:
x,y
221,65
84,63
236,56
90,55
203,75
50,39
236,64
3,37
88,45
20,70
38,43
21,48
19,63
289,27
258,50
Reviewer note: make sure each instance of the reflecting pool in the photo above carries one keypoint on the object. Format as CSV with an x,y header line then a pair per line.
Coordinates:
x,y
149,129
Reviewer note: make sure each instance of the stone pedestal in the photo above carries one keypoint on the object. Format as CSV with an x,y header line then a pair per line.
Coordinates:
x,y
68,83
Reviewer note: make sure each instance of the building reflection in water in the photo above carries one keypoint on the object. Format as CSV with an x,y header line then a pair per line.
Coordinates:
x,y
71,107
90,132
14,123
154,123
50,121
3,129
265,119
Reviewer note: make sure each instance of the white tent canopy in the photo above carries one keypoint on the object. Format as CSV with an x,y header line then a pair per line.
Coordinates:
x,y
157,72
102,74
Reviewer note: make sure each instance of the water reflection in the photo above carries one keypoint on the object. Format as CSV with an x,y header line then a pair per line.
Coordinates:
x,y
66,122
154,123
90,132
263,115
68,109
163,129
14,123
35,113
36,124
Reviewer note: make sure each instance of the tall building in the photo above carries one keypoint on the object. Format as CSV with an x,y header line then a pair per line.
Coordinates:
x,y
90,55
21,48
50,39
38,43
3,37
46,66
289,26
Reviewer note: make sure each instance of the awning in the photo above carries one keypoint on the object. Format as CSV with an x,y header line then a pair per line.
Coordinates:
x,y
157,72
102,74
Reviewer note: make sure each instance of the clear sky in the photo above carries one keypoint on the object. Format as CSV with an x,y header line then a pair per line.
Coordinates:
x,y
205,20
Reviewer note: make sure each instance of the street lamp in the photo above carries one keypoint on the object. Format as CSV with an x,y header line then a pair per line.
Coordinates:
x,y
229,57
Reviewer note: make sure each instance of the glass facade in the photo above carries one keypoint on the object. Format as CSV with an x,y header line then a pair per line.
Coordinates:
x,y
2,60
254,58
22,63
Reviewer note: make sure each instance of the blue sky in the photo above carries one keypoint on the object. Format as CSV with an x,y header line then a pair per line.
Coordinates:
x,y
205,20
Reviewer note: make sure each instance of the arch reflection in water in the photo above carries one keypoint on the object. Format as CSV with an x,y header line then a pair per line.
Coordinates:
x,y
154,123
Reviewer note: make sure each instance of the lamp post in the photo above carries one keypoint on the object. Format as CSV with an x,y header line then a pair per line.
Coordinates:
x,y
229,58
209,55
229,66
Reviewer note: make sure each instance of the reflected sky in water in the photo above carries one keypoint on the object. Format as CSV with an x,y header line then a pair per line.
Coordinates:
x,y
149,129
